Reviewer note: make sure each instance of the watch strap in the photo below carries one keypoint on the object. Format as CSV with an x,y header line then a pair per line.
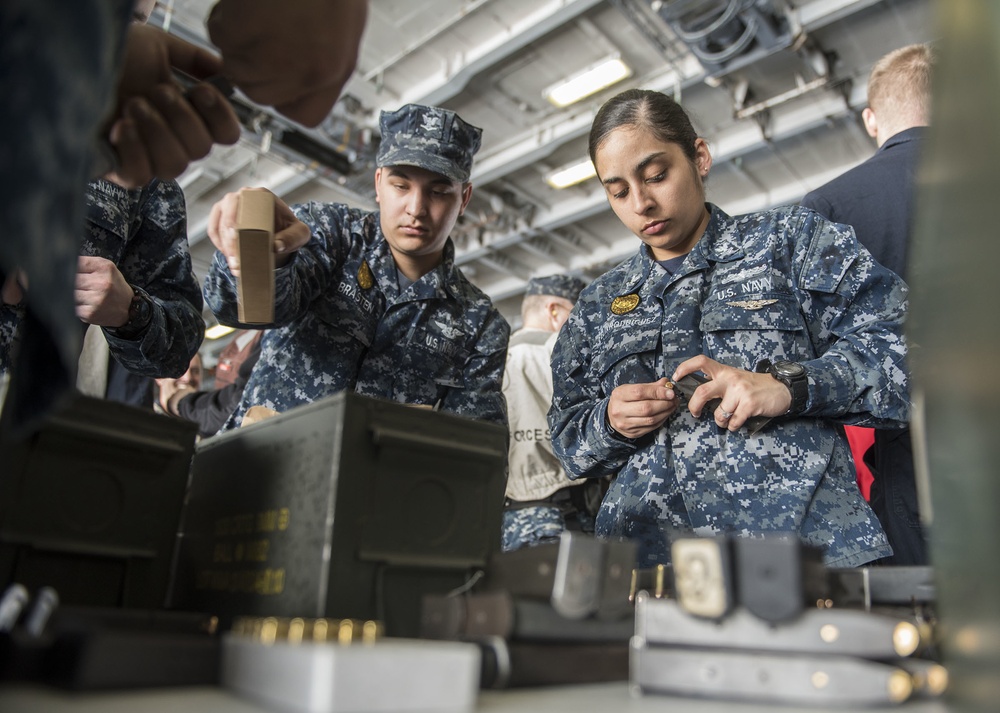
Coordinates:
x,y
763,366
615,435
140,314
797,387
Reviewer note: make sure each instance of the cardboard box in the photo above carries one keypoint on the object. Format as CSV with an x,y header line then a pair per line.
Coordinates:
x,y
349,507
255,284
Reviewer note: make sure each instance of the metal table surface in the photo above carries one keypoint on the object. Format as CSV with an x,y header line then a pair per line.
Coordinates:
x,y
594,698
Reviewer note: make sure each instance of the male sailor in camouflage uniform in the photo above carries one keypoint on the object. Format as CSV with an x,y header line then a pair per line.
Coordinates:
x,y
542,501
373,301
134,281
786,313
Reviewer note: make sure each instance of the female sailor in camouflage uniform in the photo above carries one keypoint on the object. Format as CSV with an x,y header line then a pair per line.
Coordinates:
x,y
785,313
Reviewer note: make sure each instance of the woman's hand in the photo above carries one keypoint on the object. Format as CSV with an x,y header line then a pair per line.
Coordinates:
x,y
636,409
744,393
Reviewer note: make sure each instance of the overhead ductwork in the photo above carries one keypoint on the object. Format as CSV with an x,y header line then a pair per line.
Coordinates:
x,y
724,34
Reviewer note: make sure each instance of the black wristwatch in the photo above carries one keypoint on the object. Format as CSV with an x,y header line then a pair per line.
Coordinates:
x,y
140,314
793,375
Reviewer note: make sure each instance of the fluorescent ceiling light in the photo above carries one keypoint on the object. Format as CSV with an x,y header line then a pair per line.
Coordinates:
x,y
218,331
593,79
572,174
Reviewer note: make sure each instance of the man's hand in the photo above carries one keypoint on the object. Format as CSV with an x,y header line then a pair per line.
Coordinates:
x,y
295,56
158,130
14,287
636,409
744,393
290,233
102,294
171,391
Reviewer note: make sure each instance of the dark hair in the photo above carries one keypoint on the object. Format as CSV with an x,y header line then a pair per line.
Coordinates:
x,y
646,109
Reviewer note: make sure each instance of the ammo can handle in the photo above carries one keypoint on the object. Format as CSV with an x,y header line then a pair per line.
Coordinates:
x,y
388,436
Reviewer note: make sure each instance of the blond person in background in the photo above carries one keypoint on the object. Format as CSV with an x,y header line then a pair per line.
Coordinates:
x,y
876,198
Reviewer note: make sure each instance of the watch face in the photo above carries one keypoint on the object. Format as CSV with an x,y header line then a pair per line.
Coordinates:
x,y
789,369
141,310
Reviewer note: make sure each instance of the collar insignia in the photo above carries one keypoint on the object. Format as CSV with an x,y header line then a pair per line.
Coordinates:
x,y
365,277
625,303
751,304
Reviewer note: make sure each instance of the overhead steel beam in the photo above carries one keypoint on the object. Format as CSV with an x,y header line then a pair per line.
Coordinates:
x,y
415,44
440,86
538,247
504,263
535,145
817,13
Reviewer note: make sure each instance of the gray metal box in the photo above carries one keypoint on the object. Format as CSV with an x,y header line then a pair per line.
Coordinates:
x,y
90,502
350,507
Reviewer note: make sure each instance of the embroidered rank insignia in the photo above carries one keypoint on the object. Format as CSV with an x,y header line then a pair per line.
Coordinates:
x,y
625,303
365,277
751,304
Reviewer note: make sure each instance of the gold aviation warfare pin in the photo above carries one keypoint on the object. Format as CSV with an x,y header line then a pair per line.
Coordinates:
x,y
365,277
751,304
624,303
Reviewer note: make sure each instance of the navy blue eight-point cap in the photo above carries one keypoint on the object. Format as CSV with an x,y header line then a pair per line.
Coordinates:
x,y
428,137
